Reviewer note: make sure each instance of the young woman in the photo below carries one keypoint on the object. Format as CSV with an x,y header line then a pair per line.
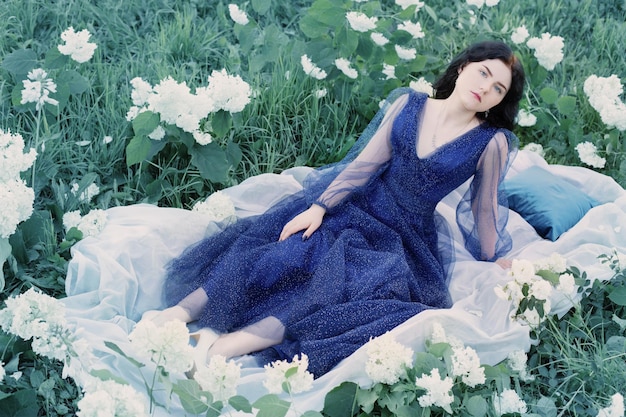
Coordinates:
x,y
361,249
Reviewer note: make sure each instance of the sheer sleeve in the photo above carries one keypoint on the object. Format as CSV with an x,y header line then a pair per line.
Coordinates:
x,y
330,185
483,211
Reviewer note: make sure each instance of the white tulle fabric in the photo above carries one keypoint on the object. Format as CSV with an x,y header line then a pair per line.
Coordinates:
x,y
115,276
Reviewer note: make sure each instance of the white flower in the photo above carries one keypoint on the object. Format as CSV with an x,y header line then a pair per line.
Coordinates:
x,y
523,270
509,402
387,360
107,139
438,391
219,377
280,373
227,92
541,289
389,71
110,399
423,86
554,263
535,147
415,29
322,92
37,89
17,205
616,409
142,90
360,22
77,45
379,39
2,371
548,50
438,335
477,3
202,138
405,4
466,364
217,207
71,219
526,118
520,35
516,361
405,53
166,345
491,3
13,160
603,94
344,65
238,15
567,284
90,225
172,100
587,152
87,194
158,133
311,69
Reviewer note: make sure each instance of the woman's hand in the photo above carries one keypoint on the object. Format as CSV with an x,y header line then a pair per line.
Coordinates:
x,y
504,263
309,220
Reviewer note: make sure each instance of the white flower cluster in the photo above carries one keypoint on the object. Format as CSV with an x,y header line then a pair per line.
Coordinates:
x,y
3,372
423,86
466,365
520,35
535,147
167,345
87,194
438,390
37,89
344,66
481,3
220,377
588,153
516,361
238,15
530,294
217,207
17,199
279,374
177,105
548,50
603,94
360,22
311,69
526,118
90,224
387,360
405,4
509,402
616,409
108,398
77,45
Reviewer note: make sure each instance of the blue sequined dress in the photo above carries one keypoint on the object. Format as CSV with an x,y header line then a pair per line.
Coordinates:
x,y
375,261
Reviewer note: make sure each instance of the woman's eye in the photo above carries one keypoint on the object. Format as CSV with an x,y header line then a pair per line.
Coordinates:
x,y
498,89
483,73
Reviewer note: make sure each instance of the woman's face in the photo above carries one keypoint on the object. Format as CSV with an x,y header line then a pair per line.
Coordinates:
x,y
483,85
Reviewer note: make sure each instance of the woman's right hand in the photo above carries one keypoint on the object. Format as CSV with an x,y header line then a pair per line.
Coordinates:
x,y
309,221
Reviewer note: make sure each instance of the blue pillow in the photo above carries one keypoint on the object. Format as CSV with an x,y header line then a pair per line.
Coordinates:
x,y
547,202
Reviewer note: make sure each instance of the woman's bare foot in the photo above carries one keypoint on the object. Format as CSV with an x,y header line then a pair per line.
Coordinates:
x,y
160,317
204,339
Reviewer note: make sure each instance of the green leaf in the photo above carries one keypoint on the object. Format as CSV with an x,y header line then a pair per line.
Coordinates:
x,y
137,150
240,403
189,393
618,296
271,406
107,375
5,252
312,413
261,6
476,406
115,348
341,400
55,59
20,61
551,277
546,407
566,105
77,83
145,123
549,95
211,160
221,123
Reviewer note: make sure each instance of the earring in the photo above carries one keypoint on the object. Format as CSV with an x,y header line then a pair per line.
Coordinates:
x,y
486,113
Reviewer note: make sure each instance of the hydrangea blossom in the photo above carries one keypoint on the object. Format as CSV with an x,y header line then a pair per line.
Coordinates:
x,y
77,45
548,50
37,89
526,118
280,373
344,66
389,71
311,69
91,224
108,398
588,153
516,361
360,22
387,360
228,92
535,147
217,207
422,86
509,402
415,29
603,94
17,205
405,53
520,35
616,409
87,194
466,364
141,91
379,39
405,4
438,390
220,377
238,15
13,160
166,345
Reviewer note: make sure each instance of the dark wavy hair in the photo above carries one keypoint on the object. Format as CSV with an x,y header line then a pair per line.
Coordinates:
x,y
504,114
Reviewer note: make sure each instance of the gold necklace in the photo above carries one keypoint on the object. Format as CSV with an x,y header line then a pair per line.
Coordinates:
x,y
438,125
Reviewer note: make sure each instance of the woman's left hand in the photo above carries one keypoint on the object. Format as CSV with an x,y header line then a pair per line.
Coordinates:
x,y
504,263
